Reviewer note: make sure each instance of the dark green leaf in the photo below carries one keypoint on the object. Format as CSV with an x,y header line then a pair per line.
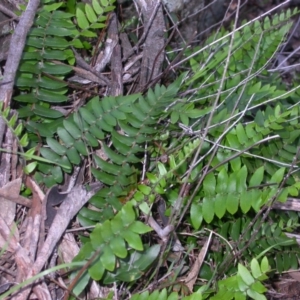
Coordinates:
x,y
109,119
56,69
81,19
50,155
108,259
124,149
28,98
35,42
127,214
56,42
113,156
139,227
29,67
72,128
96,237
51,83
47,112
97,7
58,14
124,275
104,177
255,268
258,287
257,177
65,137
246,202
196,215
104,126
126,140
245,275
90,140
81,147
58,31
236,230
209,184
137,123
117,224
255,295
235,164
278,176
138,113
57,174
220,205
18,130
87,115
108,167
51,97
55,146
118,247
133,239
106,231
107,104
96,132
124,102
256,196
42,129
59,23
90,214
241,179
208,209
26,82
264,265
130,131
54,54
232,203
147,257
97,270
82,282
233,140
232,182
85,221
222,181
90,13
88,33
36,55
29,168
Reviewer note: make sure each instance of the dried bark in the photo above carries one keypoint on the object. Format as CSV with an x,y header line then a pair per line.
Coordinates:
x,y
153,48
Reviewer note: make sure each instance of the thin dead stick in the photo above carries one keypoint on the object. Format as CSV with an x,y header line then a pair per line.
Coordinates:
x,y
19,200
291,204
8,12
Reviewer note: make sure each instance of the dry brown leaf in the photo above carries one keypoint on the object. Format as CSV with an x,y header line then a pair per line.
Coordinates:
x,y
193,274
7,212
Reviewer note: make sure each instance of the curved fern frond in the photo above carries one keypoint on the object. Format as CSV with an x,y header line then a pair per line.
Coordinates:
x,y
112,240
